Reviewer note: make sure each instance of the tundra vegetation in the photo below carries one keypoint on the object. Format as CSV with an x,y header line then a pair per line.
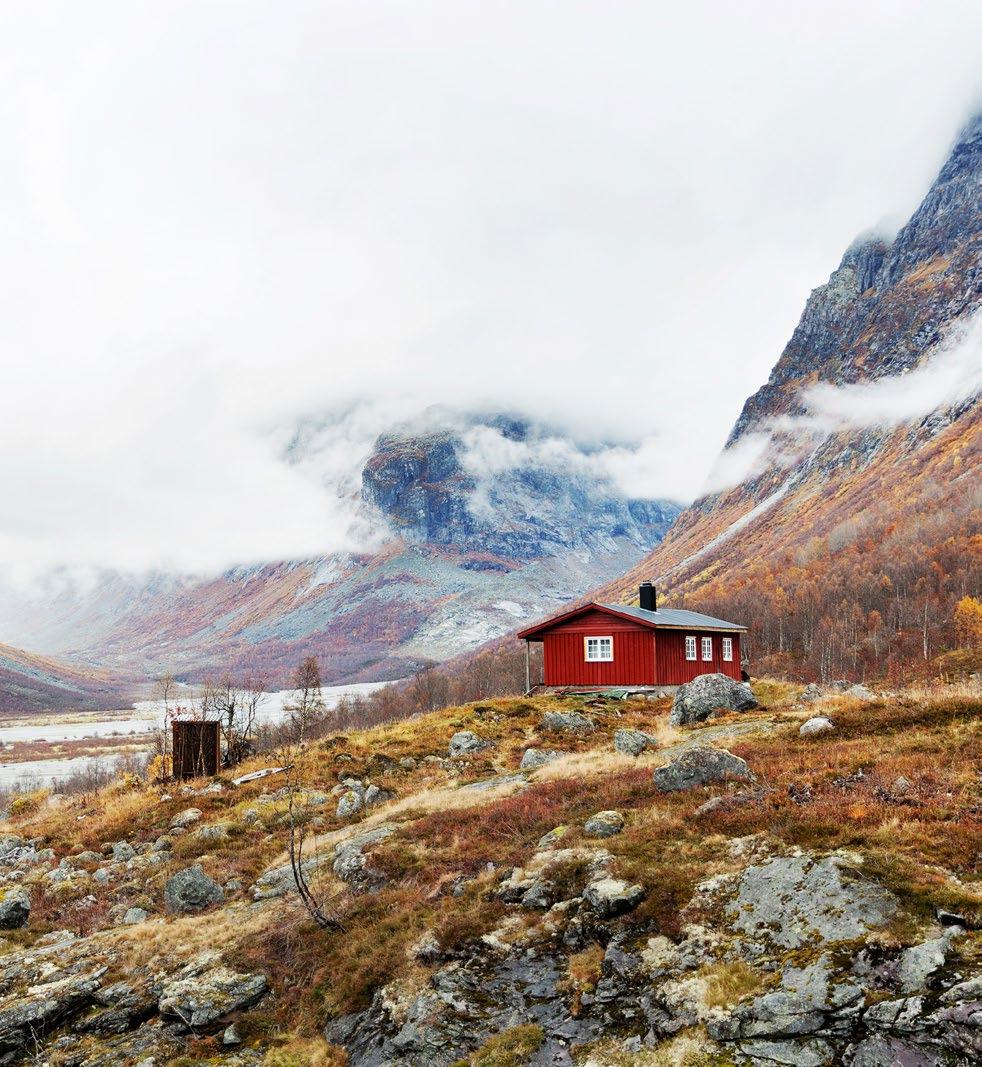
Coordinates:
x,y
482,918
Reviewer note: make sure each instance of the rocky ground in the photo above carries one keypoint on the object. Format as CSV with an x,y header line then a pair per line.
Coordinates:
x,y
547,881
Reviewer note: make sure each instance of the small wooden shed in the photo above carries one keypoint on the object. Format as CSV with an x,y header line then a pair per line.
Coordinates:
x,y
196,748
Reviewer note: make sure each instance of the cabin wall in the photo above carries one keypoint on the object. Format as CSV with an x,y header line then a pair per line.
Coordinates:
x,y
564,653
675,669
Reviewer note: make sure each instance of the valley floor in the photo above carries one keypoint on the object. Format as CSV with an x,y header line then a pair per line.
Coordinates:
x,y
818,901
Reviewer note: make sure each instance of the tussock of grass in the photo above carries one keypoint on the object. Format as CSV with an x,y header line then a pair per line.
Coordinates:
x,y
511,1048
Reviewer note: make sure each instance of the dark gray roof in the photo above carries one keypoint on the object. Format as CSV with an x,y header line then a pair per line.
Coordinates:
x,y
675,617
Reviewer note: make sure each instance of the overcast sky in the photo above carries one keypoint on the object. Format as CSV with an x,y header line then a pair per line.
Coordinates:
x,y
218,218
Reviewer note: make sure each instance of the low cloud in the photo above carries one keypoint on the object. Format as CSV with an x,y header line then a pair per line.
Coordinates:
x,y
948,377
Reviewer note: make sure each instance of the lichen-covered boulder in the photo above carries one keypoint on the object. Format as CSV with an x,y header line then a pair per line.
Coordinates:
x,y
633,742
15,908
697,700
183,819
465,743
604,824
191,890
350,804
538,757
569,722
701,765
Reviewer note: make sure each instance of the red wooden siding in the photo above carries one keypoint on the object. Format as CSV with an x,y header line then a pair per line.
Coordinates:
x,y
564,652
674,668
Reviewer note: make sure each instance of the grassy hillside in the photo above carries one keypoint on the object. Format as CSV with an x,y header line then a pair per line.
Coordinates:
x,y
424,885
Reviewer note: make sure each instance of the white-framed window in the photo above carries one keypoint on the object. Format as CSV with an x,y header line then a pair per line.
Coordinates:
x,y
690,648
599,649
728,649
707,650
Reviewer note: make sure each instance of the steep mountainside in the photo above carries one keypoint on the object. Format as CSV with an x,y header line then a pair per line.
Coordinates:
x,y
31,683
847,542
467,550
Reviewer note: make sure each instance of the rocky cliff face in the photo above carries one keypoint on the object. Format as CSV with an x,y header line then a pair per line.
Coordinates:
x,y
423,485
858,507
889,302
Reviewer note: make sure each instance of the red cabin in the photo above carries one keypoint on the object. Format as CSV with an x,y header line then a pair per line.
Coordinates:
x,y
616,646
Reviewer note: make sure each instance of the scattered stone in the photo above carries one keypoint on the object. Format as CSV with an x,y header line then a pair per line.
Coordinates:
x,y
183,819
611,896
164,843
374,795
15,908
133,916
123,851
569,722
604,824
697,700
540,896
553,837
231,1036
538,757
407,763
701,765
465,743
350,804
191,890
901,786
216,831
860,692
817,725
633,742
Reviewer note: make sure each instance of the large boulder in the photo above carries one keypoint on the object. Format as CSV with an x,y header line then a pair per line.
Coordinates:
x,y
15,908
701,765
697,700
191,890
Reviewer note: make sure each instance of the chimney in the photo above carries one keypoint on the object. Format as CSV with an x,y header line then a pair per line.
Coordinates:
x,y
648,596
